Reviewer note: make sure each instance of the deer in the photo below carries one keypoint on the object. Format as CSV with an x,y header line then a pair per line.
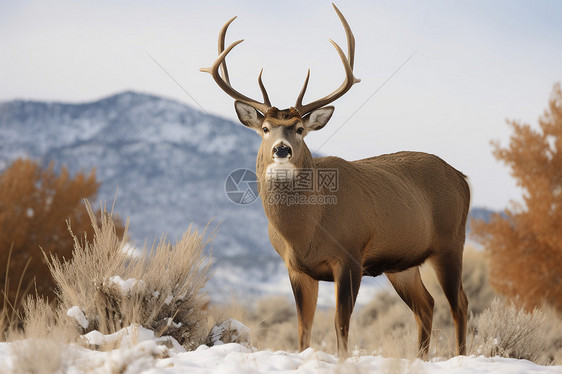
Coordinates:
x,y
387,214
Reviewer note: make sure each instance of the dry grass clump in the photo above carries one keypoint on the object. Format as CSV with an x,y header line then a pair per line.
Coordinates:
x,y
106,289
508,331
40,321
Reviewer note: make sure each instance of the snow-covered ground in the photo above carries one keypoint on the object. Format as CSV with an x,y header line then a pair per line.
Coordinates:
x,y
141,352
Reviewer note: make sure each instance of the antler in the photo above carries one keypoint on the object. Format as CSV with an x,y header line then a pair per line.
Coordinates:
x,y
224,81
349,81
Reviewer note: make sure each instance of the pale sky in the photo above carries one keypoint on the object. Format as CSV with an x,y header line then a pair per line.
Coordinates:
x,y
474,65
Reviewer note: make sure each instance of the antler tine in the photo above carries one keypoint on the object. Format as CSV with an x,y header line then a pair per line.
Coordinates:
x,y
350,37
222,36
349,81
299,105
263,91
224,81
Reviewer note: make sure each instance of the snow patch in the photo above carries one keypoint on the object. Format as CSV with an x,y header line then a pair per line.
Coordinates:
x,y
126,286
77,313
129,337
139,351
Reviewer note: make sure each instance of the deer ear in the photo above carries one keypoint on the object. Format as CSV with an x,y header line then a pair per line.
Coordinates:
x,y
318,118
248,115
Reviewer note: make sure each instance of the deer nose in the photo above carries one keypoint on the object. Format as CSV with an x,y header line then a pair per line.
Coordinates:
x,y
282,151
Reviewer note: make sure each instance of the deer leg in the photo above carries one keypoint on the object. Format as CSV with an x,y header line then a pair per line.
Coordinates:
x,y
410,288
448,268
305,290
347,281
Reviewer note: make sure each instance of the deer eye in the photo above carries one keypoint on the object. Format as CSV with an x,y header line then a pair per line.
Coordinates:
x,y
300,130
265,130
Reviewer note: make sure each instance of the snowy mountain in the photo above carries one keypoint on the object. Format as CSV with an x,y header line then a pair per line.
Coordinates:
x,y
168,162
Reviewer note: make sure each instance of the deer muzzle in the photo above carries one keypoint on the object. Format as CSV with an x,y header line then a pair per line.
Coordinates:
x,y
282,151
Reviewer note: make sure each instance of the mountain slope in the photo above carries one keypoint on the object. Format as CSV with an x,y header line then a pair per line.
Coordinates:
x,y
168,162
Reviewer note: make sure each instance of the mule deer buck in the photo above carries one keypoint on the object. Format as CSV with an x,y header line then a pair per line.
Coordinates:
x,y
387,214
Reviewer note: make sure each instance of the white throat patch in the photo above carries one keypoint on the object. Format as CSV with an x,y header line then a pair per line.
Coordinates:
x,y
280,169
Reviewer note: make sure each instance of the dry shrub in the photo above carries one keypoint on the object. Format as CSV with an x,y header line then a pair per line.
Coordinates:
x,y
507,331
108,289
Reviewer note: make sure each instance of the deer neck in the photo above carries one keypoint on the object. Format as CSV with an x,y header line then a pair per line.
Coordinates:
x,y
286,204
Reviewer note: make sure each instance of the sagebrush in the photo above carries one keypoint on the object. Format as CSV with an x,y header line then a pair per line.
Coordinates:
x,y
104,286
162,291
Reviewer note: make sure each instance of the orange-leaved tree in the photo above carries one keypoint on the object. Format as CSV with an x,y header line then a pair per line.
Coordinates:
x,y
35,205
524,245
